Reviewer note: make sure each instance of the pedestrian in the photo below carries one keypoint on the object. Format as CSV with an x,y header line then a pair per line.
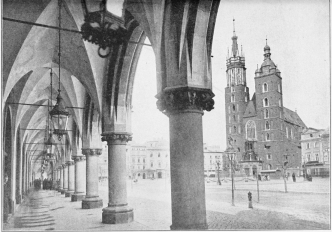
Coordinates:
x,y
294,178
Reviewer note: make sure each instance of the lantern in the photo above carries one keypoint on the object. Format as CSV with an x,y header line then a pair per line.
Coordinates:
x,y
104,24
50,144
59,116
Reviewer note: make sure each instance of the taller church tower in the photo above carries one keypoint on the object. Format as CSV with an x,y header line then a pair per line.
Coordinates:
x,y
236,95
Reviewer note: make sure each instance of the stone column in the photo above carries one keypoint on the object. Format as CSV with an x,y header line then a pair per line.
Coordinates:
x,y
184,107
58,178
92,199
117,210
65,179
79,193
71,178
61,179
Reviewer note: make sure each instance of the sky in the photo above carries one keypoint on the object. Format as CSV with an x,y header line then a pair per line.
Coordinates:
x,y
297,32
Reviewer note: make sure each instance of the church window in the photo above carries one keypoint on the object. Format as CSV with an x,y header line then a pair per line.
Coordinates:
x,y
233,107
280,102
239,130
265,87
266,113
251,130
279,88
245,98
267,125
234,129
233,98
267,137
287,132
268,156
291,132
266,102
317,158
308,145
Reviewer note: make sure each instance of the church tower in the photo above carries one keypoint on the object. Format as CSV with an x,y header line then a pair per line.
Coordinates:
x,y
269,103
236,95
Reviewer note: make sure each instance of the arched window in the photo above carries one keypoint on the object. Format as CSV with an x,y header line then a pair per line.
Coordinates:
x,y
267,136
158,154
234,108
308,157
229,109
266,113
266,102
233,98
286,132
267,125
269,167
251,130
234,129
265,87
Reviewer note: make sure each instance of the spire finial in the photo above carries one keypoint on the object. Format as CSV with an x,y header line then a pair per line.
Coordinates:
x,y
266,40
233,26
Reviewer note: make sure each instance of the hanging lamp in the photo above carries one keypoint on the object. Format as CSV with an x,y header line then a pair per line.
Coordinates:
x,y
59,113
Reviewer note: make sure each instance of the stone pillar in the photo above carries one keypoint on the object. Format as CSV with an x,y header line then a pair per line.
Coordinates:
x,y
61,180
58,179
117,210
79,193
184,107
92,199
65,179
71,178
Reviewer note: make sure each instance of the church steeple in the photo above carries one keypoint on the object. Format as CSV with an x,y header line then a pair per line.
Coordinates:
x,y
235,49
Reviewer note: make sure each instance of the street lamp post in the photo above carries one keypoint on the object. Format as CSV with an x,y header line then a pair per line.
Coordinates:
x,y
218,170
231,156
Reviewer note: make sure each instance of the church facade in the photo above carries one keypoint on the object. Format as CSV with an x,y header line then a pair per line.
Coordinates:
x,y
265,134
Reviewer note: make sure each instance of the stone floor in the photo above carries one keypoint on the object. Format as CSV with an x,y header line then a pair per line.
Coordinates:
x,y
49,210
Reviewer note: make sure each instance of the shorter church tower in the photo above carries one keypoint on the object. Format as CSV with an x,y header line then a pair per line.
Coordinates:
x,y
236,95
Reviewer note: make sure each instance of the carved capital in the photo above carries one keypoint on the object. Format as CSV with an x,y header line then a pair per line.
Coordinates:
x,y
112,137
70,163
185,98
64,165
78,158
91,151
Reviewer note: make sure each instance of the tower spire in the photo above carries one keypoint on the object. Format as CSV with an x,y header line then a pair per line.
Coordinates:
x,y
234,45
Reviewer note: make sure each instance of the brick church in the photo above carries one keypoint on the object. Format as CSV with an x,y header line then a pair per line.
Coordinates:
x,y
264,133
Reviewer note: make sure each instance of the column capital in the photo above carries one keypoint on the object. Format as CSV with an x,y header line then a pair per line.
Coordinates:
x,y
64,165
92,151
78,158
175,100
70,163
116,137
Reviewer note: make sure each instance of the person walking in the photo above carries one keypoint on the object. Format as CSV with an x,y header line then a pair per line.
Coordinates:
x,y
294,177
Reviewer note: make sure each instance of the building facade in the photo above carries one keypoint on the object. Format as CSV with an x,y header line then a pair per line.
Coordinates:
x,y
315,145
263,132
213,157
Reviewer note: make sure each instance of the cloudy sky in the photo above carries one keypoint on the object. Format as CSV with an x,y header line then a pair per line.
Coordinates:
x,y
297,32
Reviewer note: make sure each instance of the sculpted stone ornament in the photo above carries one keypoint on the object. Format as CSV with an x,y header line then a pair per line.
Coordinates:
x,y
185,98
78,158
92,151
123,137
70,163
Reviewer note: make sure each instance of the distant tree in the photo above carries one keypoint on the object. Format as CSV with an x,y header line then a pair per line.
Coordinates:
x,y
284,163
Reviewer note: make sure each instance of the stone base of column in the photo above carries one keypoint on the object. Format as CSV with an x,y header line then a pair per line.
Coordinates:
x,y
117,215
69,193
92,202
189,227
63,191
77,196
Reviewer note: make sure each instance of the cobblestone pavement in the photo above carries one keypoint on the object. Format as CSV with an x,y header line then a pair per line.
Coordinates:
x,y
49,210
